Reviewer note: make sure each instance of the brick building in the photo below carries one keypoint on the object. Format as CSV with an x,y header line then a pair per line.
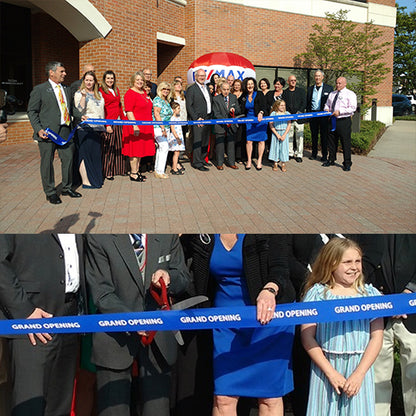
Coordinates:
x,y
166,36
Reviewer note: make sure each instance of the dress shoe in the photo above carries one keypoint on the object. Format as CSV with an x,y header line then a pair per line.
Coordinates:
x,y
346,168
90,187
233,166
220,167
328,163
298,159
54,199
71,193
324,159
313,157
161,175
110,178
201,168
207,163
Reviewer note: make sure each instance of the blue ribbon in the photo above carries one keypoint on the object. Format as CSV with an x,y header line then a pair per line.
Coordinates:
x,y
237,120
235,317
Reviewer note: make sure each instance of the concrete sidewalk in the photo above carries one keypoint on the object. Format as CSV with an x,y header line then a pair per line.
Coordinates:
x,y
377,196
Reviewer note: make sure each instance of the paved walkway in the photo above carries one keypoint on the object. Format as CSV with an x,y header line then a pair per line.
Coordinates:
x,y
377,196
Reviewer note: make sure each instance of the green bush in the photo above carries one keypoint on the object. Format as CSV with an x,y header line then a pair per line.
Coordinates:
x,y
362,142
409,117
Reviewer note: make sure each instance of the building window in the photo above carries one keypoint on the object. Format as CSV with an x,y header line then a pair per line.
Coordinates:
x,y
15,56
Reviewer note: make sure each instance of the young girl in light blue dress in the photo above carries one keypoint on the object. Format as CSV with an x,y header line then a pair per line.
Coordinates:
x,y
342,353
279,147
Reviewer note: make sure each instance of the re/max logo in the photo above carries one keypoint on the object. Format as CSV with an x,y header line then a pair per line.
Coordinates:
x,y
223,73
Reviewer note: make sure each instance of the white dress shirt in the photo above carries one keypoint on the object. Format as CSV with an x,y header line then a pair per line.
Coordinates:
x,y
71,258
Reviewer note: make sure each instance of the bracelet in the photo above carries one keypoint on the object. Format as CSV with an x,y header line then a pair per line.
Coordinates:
x,y
271,290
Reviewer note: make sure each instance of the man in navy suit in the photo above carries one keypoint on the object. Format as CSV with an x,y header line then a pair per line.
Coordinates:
x,y
316,97
199,107
50,106
225,106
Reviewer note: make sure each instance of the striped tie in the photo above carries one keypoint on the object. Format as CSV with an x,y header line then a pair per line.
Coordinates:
x,y
64,108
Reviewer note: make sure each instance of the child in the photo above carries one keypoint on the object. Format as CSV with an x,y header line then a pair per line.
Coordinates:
x,y
176,142
342,352
279,147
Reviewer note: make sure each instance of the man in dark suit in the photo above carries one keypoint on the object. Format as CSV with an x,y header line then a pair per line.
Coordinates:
x,y
389,264
225,105
199,107
42,276
50,106
120,270
316,97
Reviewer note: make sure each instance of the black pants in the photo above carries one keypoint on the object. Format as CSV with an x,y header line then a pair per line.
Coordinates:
x,y
343,133
66,154
43,375
200,145
319,125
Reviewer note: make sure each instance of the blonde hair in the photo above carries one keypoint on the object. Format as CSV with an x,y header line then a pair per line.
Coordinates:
x,y
160,87
276,105
218,84
134,76
97,94
329,258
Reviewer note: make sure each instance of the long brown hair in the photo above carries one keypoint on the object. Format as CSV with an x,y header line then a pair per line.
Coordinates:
x,y
104,85
327,262
96,92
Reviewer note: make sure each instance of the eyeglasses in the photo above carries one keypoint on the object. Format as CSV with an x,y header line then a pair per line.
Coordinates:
x,y
165,89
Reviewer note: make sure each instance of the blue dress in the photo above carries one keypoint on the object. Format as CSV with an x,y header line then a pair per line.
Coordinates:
x,y
250,362
279,150
256,132
343,343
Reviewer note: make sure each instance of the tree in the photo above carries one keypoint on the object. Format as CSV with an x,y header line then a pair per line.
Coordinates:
x,y
343,48
404,66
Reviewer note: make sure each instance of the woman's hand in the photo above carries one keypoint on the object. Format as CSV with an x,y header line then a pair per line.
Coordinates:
x,y
266,304
337,380
260,116
353,384
109,129
83,92
136,130
83,118
164,132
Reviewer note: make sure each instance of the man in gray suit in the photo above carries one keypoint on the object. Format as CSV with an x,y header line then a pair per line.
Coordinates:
x,y
225,106
50,106
199,107
120,270
41,275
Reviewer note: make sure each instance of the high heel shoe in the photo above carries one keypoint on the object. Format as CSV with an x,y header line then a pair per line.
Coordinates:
x,y
140,178
161,175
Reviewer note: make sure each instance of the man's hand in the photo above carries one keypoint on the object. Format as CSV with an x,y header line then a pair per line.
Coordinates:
x,y
42,134
109,129
39,313
200,125
160,274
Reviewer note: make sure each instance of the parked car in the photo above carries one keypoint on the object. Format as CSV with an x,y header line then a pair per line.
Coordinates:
x,y
412,100
401,105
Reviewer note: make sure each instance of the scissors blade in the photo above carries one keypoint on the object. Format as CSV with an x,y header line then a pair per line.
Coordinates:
x,y
188,303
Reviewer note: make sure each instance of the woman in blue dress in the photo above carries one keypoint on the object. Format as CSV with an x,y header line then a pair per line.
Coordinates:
x,y
237,270
255,132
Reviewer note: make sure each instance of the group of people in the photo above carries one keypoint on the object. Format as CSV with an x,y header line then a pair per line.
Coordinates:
x,y
98,152
129,373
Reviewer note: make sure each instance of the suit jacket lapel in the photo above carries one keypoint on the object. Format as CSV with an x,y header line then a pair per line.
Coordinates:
x,y
125,249
153,251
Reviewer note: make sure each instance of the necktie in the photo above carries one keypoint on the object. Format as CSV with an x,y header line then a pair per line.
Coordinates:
x,y
317,88
63,106
334,102
138,246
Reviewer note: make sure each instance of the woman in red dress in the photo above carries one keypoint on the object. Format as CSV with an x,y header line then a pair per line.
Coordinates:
x,y
138,141
114,163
